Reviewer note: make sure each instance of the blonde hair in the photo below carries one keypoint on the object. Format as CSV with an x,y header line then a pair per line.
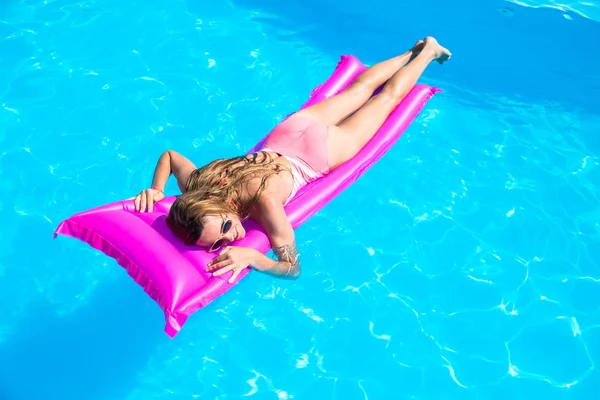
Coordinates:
x,y
216,189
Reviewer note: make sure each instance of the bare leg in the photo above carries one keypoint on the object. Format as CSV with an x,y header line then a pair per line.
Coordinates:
x,y
335,109
346,139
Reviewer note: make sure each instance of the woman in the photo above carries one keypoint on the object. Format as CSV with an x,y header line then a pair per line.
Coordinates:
x,y
310,143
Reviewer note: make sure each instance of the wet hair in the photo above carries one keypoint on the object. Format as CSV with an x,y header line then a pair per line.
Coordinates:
x,y
216,189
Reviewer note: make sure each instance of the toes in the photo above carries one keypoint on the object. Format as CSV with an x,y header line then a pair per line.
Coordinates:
x,y
444,57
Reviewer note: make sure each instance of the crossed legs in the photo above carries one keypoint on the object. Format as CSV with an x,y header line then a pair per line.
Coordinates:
x,y
355,115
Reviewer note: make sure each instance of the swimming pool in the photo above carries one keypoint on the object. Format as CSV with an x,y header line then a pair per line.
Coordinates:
x,y
463,265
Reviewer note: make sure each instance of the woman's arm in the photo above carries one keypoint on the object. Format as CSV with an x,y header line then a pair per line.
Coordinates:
x,y
170,162
287,264
235,258
273,219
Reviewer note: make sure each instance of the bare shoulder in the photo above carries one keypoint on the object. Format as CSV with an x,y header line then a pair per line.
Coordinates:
x,y
277,188
270,214
268,207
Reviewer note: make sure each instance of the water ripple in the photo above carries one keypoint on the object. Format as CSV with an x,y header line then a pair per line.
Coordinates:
x,y
586,9
463,264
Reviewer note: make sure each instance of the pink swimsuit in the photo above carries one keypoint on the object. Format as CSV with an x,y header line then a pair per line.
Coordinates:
x,y
303,141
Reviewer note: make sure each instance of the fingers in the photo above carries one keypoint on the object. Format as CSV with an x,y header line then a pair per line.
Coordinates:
x,y
235,274
221,257
223,270
224,263
150,200
217,265
145,198
143,201
232,267
220,261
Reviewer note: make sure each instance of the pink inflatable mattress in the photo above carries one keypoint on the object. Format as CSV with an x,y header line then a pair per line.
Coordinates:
x,y
173,274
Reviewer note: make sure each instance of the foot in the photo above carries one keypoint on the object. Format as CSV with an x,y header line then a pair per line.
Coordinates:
x,y
437,52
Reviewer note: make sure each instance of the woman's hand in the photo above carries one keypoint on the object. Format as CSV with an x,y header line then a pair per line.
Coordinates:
x,y
233,258
147,198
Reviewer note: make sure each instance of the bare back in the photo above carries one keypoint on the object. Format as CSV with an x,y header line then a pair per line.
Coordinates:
x,y
278,186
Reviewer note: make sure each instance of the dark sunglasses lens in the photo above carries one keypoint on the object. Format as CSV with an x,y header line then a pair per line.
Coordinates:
x,y
227,226
217,245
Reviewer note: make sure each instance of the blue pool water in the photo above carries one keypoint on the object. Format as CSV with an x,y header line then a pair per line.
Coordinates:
x,y
464,265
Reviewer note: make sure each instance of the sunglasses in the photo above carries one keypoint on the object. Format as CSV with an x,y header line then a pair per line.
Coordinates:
x,y
225,227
